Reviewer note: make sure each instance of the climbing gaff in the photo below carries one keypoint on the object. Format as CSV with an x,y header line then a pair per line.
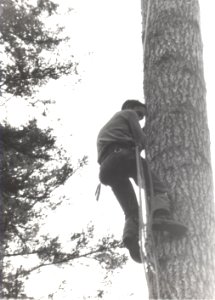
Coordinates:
x,y
141,184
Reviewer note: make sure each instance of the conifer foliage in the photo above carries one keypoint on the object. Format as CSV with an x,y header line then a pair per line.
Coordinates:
x,y
28,45
32,166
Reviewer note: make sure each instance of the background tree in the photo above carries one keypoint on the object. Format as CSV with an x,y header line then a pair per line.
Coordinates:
x,y
32,165
28,44
178,146
29,179
31,168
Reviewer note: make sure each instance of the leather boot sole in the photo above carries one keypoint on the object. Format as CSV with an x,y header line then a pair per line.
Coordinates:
x,y
175,229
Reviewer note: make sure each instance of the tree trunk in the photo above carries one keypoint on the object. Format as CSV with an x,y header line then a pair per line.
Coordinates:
x,y
178,146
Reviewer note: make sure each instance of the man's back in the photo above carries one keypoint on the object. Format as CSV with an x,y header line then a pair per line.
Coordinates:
x,y
119,129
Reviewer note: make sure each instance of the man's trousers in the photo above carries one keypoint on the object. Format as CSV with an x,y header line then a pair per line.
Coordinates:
x,y
117,167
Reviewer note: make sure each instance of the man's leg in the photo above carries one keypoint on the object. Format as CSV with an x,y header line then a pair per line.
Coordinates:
x,y
159,204
124,192
160,208
160,201
114,172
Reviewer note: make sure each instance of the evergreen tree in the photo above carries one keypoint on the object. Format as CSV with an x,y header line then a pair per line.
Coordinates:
x,y
28,46
32,166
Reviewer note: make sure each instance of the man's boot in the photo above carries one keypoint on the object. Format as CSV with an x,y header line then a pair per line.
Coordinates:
x,y
162,221
131,237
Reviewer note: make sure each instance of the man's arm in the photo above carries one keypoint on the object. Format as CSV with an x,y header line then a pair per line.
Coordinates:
x,y
137,133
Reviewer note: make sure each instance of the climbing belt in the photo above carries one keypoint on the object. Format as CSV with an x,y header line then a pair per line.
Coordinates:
x,y
145,230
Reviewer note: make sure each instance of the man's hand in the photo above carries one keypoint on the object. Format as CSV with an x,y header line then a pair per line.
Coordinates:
x,y
141,145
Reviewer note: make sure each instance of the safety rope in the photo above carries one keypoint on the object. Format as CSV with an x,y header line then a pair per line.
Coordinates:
x,y
142,226
146,27
141,182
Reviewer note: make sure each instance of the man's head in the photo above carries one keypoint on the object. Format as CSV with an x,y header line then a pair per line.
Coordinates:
x,y
137,106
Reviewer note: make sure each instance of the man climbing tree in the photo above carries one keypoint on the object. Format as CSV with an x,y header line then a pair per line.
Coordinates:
x,y
116,155
178,146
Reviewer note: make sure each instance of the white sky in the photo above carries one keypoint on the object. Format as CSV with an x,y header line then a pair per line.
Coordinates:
x,y
106,40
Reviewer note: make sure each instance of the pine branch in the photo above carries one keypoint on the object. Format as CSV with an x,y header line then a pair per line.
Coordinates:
x,y
61,261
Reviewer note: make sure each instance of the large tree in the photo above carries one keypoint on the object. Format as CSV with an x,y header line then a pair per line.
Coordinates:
x,y
178,146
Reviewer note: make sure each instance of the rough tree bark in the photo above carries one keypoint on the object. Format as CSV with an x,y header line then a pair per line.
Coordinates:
x,y
178,146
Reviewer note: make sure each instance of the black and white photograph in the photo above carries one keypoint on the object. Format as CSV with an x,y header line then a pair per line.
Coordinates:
x,y
107,149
